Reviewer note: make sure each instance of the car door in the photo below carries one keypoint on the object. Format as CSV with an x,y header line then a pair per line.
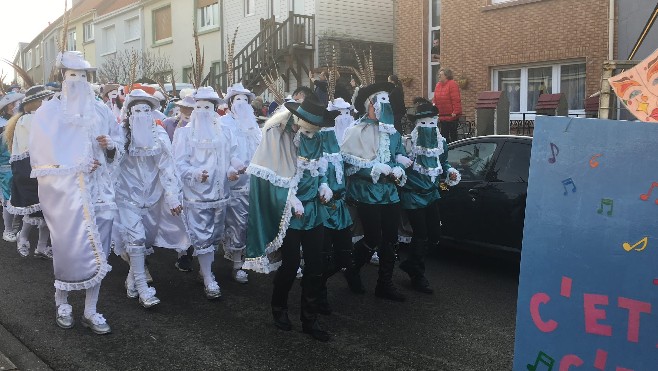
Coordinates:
x,y
459,209
502,201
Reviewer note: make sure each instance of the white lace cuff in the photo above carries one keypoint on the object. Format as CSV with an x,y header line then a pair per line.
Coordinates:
x,y
450,182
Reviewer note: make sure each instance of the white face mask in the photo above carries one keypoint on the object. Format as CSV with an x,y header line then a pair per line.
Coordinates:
x,y
240,98
113,94
75,75
204,106
139,109
345,112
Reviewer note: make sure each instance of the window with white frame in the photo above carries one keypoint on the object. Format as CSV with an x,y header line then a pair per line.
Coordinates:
x,y
37,55
297,6
524,84
28,60
207,14
109,40
249,7
132,29
70,40
434,54
88,31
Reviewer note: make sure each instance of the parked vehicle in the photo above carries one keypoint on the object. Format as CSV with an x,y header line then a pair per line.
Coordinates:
x,y
487,208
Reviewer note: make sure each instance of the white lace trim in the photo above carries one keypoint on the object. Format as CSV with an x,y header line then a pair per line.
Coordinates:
x,y
384,150
206,205
56,170
205,250
432,172
284,223
65,310
145,152
337,160
244,191
261,265
358,162
314,166
386,128
36,221
19,157
72,286
97,319
27,210
271,176
450,182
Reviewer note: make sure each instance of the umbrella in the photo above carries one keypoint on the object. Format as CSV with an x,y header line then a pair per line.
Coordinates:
x,y
637,88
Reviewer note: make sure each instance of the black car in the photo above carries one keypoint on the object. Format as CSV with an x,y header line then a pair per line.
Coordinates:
x,y
487,208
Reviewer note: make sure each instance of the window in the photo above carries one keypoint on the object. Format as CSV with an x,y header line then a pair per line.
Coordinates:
x,y
132,29
162,24
28,60
164,76
37,55
187,75
216,70
207,14
88,31
513,163
109,40
70,40
434,53
472,160
297,6
523,85
249,7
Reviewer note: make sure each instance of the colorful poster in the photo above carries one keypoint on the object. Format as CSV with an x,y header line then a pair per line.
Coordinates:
x,y
588,290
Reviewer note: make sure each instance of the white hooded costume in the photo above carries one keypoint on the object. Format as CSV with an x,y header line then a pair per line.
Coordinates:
x,y
205,156
242,122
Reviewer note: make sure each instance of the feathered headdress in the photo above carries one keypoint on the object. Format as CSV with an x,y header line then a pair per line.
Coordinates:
x,y
366,71
27,80
230,54
196,76
271,80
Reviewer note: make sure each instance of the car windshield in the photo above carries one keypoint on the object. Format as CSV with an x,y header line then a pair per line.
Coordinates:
x,y
472,160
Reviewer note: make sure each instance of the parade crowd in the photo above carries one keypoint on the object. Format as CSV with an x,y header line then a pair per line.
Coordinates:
x,y
108,171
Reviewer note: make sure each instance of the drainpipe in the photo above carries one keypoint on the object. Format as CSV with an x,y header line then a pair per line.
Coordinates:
x,y
222,32
611,30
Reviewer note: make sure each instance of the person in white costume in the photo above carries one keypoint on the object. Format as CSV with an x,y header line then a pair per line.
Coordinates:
x,y
343,121
147,192
71,152
205,154
24,189
240,119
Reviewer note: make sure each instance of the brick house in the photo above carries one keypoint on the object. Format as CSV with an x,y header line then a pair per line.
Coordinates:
x,y
522,47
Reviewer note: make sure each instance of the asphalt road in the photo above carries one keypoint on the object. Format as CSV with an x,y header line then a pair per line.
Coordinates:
x,y
468,324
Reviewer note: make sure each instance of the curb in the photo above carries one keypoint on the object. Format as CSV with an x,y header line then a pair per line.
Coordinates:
x,y
14,355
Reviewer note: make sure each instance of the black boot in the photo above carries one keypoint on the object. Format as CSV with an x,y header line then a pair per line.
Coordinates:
x,y
281,319
385,288
311,293
414,266
362,254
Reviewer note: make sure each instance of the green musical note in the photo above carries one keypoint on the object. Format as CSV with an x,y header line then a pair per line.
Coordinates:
x,y
544,359
606,202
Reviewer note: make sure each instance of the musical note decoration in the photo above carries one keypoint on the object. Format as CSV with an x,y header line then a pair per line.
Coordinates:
x,y
606,202
593,163
567,182
544,359
555,151
628,247
645,196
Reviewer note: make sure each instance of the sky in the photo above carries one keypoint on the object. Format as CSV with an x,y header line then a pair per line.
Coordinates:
x,y
23,20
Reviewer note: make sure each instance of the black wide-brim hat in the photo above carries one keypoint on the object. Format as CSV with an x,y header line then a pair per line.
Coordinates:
x,y
312,112
424,110
366,91
36,92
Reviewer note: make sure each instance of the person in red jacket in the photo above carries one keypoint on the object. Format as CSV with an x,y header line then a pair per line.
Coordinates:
x,y
449,102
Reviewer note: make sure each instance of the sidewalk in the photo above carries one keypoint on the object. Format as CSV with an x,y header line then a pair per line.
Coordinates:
x,y
16,356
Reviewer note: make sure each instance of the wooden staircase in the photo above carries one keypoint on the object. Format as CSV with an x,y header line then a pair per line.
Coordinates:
x,y
287,46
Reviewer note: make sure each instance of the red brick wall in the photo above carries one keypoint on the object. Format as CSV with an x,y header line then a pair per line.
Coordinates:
x,y
475,38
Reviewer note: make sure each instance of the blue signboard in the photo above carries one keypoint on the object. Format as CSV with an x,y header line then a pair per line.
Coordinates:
x,y
588,290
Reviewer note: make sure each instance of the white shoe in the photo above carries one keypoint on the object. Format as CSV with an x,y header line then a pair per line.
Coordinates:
x,y
131,291
240,276
23,248
64,318
46,253
97,324
9,236
212,291
375,259
150,300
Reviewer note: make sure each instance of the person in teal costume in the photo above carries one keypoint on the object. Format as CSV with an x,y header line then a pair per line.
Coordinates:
x,y
287,177
420,195
375,160
338,226
7,105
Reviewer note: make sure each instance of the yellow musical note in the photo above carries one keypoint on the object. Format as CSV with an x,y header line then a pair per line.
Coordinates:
x,y
627,246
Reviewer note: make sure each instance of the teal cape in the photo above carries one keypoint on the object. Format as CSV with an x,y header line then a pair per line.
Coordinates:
x,y
338,214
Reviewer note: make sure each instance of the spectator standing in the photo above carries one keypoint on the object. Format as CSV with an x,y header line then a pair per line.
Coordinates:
x,y
447,99
321,89
397,102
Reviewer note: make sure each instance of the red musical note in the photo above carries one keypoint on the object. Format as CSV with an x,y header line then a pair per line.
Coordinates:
x,y
645,196
555,151
593,163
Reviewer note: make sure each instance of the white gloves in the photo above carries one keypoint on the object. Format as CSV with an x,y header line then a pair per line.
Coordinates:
x,y
297,206
232,174
237,164
325,192
397,172
458,178
378,170
403,160
200,174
